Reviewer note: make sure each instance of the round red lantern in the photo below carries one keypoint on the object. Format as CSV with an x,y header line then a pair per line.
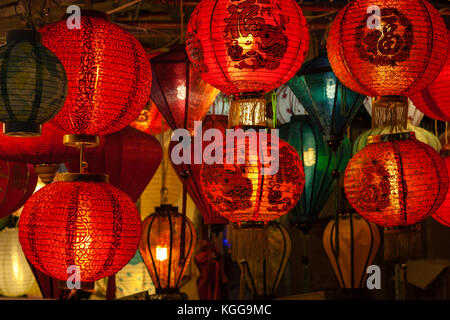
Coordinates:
x,y
254,190
442,215
79,224
384,47
108,72
129,157
246,48
17,183
434,100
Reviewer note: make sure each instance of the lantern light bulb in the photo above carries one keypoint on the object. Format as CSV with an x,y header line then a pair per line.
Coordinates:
x,y
309,157
161,253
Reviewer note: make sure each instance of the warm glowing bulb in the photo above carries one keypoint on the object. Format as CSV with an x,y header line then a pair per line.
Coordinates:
x,y
161,253
331,88
309,157
181,92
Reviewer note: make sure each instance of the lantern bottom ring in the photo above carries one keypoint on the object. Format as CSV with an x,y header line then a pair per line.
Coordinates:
x,y
82,177
84,285
22,129
79,140
46,172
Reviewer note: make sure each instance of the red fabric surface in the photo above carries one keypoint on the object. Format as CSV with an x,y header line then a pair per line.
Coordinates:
x,y
400,56
396,183
442,215
247,45
92,225
109,76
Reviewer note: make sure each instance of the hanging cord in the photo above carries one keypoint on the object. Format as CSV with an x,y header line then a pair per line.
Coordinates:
x,y
243,264
335,174
83,163
274,108
164,190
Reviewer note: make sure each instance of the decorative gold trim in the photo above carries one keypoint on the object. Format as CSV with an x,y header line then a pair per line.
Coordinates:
x,y
82,177
247,112
46,172
78,140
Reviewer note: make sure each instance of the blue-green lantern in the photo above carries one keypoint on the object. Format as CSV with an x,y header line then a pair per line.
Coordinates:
x,y
331,105
318,163
33,84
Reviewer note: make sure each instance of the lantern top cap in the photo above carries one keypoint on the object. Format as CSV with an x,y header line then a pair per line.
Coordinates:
x,y
82,177
391,137
23,35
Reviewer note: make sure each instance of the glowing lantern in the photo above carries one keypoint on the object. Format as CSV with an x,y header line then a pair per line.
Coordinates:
x,y
33,82
150,120
79,221
16,278
247,56
108,73
396,182
359,241
442,215
166,251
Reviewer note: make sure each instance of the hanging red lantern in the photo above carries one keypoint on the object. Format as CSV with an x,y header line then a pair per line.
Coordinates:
x,y
191,173
434,100
396,182
150,120
180,94
442,215
17,183
247,54
129,157
165,251
79,222
387,48
109,76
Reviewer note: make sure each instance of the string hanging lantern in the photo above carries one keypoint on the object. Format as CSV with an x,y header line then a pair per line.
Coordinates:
x,y
359,241
33,84
247,55
396,182
108,73
162,250
389,50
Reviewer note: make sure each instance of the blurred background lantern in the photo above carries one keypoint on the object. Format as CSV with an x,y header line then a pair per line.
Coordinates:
x,y
165,251
331,105
247,62
16,278
130,158
359,241
45,152
79,220
263,276
421,134
181,95
396,182
150,120
433,100
288,105
318,163
103,98
33,82
17,184
387,50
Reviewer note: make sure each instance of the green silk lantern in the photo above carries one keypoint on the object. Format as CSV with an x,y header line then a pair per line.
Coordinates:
x,y
318,164
33,84
331,105
422,135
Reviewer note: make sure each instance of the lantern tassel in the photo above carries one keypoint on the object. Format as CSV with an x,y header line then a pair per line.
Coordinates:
x,y
248,111
402,243
249,242
390,112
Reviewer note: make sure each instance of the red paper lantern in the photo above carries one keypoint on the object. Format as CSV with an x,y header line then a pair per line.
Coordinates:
x,y
247,46
242,193
434,100
396,180
129,157
178,90
45,149
150,120
191,173
384,47
17,183
91,225
108,73
442,215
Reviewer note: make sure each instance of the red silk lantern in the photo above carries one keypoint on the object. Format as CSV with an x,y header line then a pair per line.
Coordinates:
x,y
396,180
178,90
247,46
383,47
17,183
129,157
242,193
434,100
91,225
150,120
109,75
442,215
191,173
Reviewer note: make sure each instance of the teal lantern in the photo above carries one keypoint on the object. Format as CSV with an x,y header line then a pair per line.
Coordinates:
x,y
319,164
33,84
331,105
